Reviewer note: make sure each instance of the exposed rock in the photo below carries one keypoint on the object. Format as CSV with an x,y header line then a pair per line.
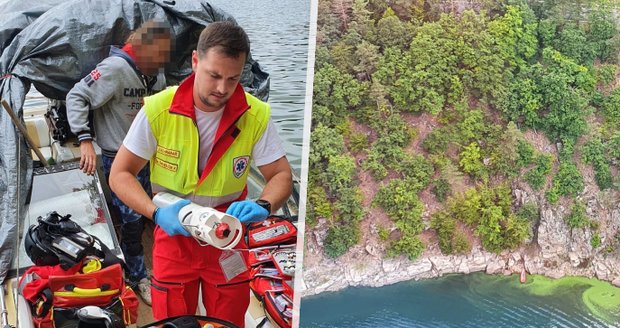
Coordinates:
x,y
557,251
390,265
372,250
574,259
521,197
494,267
320,232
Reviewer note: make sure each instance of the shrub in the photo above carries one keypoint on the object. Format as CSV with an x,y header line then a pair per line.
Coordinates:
x,y
410,245
416,167
526,153
441,189
373,163
340,172
460,243
470,161
383,232
595,241
568,180
340,238
593,152
445,225
536,177
578,218
437,141
318,205
400,201
349,205
358,142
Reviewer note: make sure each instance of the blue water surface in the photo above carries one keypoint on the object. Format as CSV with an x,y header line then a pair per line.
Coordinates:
x,y
475,300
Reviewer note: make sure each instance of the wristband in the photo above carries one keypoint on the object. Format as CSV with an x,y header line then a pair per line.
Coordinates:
x,y
155,214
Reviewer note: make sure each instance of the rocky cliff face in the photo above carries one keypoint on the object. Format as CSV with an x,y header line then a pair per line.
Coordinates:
x,y
554,251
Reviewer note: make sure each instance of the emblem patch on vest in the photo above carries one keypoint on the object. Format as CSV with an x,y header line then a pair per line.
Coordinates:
x,y
240,165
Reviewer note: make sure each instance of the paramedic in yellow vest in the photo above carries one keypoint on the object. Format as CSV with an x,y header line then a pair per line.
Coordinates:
x,y
200,139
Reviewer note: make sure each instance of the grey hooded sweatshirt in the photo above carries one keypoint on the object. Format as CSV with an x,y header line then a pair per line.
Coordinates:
x,y
114,90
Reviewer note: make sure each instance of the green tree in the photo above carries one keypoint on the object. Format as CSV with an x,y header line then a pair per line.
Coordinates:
x,y
603,33
393,32
565,86
349,205
325,143
373,163
593,152
536,176
340,238
568,180
340,172
437,141
613,146
524,100
362,23
572,42
470,161
411,246
358,141
337,91
416,167
400,201
367,55
318,205
451,241
611,108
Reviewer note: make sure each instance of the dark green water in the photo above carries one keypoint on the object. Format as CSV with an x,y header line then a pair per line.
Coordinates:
x,y
475,300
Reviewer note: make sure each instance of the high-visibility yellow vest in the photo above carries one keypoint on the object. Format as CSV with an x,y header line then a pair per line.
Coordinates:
x,y
174,167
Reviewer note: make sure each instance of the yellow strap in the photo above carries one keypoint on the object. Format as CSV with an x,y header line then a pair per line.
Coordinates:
x,y
92,266
80,292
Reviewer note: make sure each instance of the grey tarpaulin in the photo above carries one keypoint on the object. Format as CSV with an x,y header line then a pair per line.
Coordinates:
x,y
54,45
16,15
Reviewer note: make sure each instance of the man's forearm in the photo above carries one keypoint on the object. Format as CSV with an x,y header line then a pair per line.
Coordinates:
x,y
278,189
130,191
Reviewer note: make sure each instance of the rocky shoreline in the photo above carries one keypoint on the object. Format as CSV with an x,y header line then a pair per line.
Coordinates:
x,y
555,251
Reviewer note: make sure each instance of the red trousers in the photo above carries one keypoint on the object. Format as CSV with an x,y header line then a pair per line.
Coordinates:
x,y
181,265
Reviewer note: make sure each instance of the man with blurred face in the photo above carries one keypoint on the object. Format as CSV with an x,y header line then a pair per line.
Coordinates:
x,y
200,139
114,91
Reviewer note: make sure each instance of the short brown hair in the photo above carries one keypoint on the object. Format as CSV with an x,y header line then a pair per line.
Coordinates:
x,y
149,31
229,36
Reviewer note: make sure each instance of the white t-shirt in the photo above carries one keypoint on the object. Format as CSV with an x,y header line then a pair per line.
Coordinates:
x,y
141,141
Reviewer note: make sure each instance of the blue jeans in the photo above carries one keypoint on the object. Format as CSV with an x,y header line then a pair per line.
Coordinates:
x,y
132,225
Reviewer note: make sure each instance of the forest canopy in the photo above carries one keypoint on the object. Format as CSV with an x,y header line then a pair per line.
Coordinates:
x,y
448,102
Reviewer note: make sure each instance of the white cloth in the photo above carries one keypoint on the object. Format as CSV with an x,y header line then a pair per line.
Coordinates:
x,y
141,141
207,123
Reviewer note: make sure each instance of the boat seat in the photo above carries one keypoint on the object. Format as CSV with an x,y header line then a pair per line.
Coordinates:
x,y
39,130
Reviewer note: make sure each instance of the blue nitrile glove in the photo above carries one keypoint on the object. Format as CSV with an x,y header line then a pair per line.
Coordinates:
x,y
168,218
247,211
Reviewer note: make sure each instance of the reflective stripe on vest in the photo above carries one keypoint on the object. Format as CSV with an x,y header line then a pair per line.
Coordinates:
x,y
210,201
174,167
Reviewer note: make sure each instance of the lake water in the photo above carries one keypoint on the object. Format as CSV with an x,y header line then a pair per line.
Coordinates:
x,y
475,300
278,32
